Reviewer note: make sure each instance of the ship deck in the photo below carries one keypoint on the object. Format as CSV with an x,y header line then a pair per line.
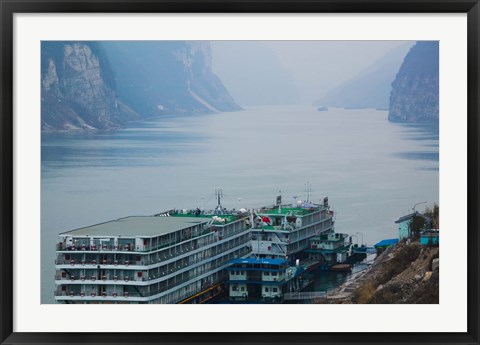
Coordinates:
x,y
135,226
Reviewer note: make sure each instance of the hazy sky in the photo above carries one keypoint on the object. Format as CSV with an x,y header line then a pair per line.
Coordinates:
x,y
314,66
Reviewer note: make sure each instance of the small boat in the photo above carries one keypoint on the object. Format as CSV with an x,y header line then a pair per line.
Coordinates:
x,y
341,268
322,108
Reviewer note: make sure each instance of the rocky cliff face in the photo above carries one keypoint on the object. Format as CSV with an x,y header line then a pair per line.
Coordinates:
x,y
167,77
76,91
102,85
202,84
402,274
414,96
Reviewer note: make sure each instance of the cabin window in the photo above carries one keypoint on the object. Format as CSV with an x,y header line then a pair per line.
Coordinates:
x,y
266,289
274,273
242,288
275,289
267,273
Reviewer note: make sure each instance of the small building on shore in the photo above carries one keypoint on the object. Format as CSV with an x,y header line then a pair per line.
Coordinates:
x,y
405,224
429,238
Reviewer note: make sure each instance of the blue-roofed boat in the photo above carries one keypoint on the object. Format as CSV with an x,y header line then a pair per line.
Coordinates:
x,y
264,280
386,243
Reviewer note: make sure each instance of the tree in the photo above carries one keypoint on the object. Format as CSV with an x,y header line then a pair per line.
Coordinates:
x,y
433,214
416,225
429,219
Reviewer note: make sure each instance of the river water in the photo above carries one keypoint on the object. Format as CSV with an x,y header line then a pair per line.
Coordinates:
x,y
373,171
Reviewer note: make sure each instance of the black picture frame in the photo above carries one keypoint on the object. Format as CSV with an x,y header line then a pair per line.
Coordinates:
x,y
10,7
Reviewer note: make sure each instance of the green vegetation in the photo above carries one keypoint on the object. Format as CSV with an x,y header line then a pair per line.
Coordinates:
x,y
428,220
433,213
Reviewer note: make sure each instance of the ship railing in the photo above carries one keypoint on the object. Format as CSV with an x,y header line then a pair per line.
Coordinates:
x,y
98,296
131,247
234,233
110,279
172,243
153,291
132,294
91,264
83,248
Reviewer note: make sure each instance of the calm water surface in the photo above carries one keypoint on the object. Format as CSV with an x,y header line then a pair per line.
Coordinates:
x,y
372,171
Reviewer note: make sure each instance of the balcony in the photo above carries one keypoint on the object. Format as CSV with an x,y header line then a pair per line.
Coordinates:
x,y
84,263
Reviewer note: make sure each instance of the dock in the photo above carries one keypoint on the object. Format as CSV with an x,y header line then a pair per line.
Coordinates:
x,y
343,291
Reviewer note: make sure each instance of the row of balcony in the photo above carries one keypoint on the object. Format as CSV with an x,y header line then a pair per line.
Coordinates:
x,y
94,294
129,246
127,278
153,289
213,252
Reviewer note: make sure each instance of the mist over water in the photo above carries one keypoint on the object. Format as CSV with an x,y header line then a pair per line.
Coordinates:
x,y
373,171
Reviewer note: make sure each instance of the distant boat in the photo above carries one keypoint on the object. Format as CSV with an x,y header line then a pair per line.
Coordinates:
x,y
322,108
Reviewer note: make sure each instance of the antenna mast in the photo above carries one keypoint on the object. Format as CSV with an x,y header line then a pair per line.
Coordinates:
x,y
219,196
308,190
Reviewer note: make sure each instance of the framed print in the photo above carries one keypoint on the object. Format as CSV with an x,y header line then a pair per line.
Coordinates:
x,y
239,172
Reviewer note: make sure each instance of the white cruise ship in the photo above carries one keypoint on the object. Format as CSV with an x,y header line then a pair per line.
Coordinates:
x,y
173,257
285,231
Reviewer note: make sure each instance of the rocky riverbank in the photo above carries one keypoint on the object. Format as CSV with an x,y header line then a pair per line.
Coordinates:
x,y
402,274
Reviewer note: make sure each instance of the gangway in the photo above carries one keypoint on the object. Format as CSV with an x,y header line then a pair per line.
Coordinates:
x,y
307,295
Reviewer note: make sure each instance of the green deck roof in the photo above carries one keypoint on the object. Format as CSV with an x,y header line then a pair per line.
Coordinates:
x,y
229,217
294,211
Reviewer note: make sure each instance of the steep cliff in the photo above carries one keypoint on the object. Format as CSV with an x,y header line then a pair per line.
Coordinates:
x,y
414,96
167,77
371,87
78,91
102,85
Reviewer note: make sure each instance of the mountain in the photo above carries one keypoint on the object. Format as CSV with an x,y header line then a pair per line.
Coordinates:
x,y
166,77
103,85
415,96
371,87
257,77
78,89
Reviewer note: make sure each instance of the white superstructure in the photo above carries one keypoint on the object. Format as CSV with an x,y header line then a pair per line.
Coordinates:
x,y
165,258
